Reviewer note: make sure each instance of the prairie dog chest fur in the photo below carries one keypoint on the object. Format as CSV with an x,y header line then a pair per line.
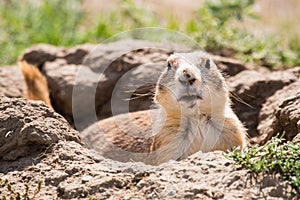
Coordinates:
x,y
195,115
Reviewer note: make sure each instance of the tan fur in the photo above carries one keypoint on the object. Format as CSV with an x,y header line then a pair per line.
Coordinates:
x,y
36,84
180,127
212,125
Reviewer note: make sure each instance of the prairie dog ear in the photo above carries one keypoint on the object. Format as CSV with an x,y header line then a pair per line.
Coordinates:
x,y
173,60
207,64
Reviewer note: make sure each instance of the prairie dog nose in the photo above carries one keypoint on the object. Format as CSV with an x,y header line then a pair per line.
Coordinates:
x,y
187,77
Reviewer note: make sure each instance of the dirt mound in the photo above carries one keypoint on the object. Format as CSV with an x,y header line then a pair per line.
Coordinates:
x,y
70,171
253,88
28,126
281,114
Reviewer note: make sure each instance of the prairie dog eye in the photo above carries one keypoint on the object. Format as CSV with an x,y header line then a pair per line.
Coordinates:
x,y
169,66
207,64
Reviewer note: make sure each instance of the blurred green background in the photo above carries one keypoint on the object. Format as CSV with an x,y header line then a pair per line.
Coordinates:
x,y
265,32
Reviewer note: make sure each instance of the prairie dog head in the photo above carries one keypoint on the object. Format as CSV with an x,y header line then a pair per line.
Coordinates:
x,y
191,84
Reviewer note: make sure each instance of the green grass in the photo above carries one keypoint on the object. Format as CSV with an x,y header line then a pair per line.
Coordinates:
x,y
27,22
273,157
214,31
124,18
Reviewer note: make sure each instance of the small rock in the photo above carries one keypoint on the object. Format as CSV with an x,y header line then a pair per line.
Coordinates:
x,y
172,193
86,178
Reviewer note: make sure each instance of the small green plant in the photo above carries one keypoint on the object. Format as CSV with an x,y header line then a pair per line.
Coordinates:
x,y
273,157
124,18
212,27
27,22
17,195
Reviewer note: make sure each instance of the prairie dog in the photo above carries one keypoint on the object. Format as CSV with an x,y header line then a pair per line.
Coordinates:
x,y
195,115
